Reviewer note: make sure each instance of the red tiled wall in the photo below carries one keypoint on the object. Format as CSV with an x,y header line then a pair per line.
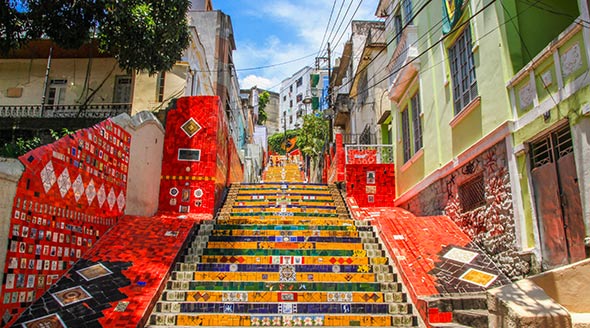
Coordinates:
x,y
381,188
197,186
70,194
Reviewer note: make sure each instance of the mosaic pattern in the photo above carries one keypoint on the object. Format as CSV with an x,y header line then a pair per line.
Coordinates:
x,y
71,295
190,127
55,215
282,255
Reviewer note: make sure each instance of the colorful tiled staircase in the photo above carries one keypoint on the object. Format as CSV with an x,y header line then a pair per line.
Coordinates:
x,y
284,254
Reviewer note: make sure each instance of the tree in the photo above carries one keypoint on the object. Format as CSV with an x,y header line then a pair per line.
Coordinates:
x,y
276,142
312,141
147,35
263,100
313,136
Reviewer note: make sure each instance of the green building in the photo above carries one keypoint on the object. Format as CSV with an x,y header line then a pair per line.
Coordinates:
x,y
491,108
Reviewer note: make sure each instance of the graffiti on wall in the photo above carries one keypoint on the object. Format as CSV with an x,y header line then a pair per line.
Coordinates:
x,y
482,209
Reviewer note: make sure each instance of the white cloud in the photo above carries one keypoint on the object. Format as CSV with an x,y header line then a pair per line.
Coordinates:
x,y
307,20
258,81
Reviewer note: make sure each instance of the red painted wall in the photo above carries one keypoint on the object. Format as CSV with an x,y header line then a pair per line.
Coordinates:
x,y
70,194
196,185
366,182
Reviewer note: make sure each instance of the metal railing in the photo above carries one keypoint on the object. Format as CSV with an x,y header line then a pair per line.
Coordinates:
x,y
369,154
98,111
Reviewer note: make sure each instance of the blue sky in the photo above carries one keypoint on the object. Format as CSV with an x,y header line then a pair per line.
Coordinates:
x,y
277,31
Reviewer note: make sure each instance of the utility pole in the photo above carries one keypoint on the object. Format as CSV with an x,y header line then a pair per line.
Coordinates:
x,y
330,117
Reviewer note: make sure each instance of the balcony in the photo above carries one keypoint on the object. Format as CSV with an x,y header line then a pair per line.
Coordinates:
x,y
402,73
91,111
556,73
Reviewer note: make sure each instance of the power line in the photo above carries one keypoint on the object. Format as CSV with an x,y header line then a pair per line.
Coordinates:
x,y
399,33
328,24
411,61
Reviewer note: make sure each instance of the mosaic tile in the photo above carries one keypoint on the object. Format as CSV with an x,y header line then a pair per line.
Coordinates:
x,y
71,295
48,176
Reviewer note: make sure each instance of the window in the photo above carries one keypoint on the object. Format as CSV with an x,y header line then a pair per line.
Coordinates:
x,y
300,81
463,71
122,93
160,88
408,15
416,122
56,93
290,103
291,119
472,193
290,89
397,25
411,128
284,98
299,97
406,135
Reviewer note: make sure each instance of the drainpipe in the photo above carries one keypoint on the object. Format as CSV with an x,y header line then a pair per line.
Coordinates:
x,y
46,82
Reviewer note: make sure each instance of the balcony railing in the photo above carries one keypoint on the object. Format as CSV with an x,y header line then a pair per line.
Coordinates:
x,y
369,154
94,111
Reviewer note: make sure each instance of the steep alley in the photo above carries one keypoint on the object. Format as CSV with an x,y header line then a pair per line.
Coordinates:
x,y
284,253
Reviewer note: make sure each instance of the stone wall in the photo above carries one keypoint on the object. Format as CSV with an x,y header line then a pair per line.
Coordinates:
x,y
491,225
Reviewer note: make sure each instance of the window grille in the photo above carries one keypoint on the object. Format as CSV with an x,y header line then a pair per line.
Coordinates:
x,y
406,135
472,193
416,122
463,71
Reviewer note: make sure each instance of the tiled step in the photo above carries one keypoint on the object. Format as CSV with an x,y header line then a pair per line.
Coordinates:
x,y
280,255
228,320
280,296
282,307
289,260
221,267
385,287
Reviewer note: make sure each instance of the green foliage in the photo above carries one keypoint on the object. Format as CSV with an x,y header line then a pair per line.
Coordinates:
x,y
313,136
263,100
145,35
276,141
21,146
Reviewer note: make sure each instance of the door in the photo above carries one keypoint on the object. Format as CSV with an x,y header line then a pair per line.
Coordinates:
x,y
122,93
56,93
557,199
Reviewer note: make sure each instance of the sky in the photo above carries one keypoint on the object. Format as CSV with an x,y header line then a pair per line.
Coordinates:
x,y
274,32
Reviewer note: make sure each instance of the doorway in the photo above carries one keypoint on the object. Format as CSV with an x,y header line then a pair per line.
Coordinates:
x,y
557,199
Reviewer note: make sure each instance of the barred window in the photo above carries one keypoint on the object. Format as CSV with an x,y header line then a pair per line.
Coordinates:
x,y
416,122
472,193
463,71
406,135
408,15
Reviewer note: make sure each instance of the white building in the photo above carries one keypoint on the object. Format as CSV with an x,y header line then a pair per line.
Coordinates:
x,y
300,94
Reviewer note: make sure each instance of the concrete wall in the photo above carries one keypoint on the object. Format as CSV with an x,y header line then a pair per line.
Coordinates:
x,y
145,162
568,286
10,172
29,74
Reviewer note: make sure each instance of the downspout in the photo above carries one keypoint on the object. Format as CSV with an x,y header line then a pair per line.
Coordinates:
x,y
46,81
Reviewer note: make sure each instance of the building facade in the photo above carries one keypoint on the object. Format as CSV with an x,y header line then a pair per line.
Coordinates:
x,y
302,94
482,116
